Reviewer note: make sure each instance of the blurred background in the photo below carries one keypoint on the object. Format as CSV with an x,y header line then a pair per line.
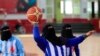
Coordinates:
x,y
79,13
83,15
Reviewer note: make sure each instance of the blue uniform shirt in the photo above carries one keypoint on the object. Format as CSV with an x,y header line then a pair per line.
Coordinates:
x,y
12,47
53,50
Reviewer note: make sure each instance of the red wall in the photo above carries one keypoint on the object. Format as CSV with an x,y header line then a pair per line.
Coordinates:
x,y
74,20
28,26
96,23
8,5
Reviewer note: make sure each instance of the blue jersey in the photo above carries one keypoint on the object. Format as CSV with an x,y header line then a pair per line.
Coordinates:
x,y
12,47
54,50
76,50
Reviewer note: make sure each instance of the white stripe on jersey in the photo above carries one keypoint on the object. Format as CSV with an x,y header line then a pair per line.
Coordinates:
x,y
14,46
64,48
6,48
68,51
52,49
3,46
59,51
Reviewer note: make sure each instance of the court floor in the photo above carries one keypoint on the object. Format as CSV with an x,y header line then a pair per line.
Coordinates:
x,y
89,47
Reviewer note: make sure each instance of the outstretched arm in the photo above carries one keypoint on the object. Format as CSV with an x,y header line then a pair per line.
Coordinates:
x,y
36,32
41,42
76,41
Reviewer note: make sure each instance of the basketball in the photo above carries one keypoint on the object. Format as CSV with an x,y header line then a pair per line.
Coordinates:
x,y
34,14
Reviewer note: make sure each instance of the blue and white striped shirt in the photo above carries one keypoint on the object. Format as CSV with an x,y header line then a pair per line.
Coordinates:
x,y
54,50
12,47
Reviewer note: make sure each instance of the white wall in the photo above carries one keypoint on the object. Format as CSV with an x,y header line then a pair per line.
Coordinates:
x,y
42,4
12,16
48,6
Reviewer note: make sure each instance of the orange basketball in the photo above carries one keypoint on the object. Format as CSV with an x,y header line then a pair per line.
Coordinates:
x,y
34,14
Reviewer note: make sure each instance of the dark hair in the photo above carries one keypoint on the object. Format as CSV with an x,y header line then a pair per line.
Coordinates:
x,y
5,33
66,31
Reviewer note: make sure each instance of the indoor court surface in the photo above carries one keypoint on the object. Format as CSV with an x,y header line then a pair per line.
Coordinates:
x,y
90,46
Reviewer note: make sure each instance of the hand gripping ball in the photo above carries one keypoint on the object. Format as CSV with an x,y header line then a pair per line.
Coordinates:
x,y
34,14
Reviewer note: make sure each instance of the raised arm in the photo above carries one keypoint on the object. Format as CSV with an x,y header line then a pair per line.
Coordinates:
x,y
41,41
36,32
76,41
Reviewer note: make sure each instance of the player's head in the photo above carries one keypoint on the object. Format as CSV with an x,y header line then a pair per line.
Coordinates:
x,y
67,31
50,35
48,31
5,33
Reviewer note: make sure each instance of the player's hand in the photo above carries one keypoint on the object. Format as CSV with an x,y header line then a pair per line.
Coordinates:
x,y
90,33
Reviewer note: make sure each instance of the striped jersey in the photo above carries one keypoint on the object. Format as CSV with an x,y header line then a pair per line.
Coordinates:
x,y
54,50
12,47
